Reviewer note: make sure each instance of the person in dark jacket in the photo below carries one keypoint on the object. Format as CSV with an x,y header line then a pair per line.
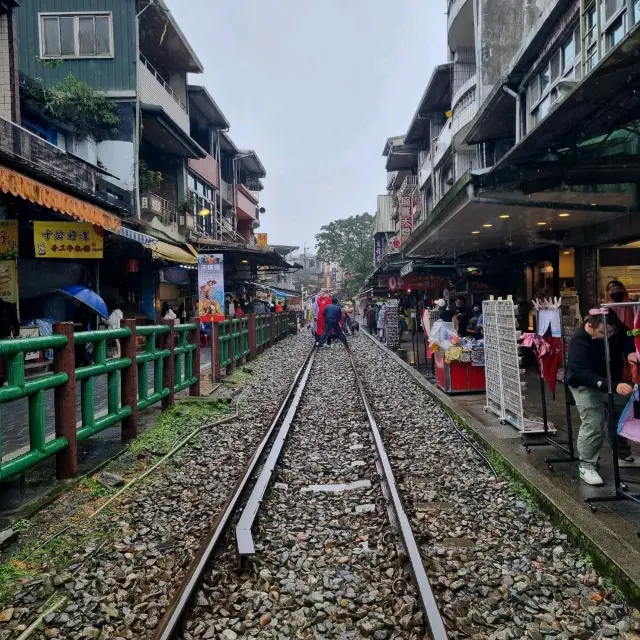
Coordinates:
x,y
587,379
332,317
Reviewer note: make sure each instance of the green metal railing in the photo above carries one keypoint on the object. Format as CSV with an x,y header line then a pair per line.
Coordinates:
x,y
184,374
224,343
90,423
263,330
13,352
175,367
152,354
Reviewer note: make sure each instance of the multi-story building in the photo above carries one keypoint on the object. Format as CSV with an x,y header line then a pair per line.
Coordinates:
x,y
517,146
170,161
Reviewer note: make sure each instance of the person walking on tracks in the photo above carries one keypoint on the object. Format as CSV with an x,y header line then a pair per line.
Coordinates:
x,y
332,314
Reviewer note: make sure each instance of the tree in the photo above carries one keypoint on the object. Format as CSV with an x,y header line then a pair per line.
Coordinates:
x,y
349,242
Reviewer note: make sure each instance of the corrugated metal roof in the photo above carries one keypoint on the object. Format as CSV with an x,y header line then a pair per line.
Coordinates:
x,y
384,222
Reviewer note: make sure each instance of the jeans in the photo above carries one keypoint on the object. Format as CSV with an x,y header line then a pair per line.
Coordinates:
x,y
335,327
593,424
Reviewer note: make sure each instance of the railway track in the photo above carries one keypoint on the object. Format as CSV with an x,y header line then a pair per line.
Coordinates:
x,y
322,501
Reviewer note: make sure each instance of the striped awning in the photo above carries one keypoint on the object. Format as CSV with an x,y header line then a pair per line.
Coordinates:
x,y
23,187
136,236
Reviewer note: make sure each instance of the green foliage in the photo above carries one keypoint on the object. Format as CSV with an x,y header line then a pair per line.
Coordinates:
x,y
149,180
11,573
74,102
175,424
349,242
188,204
96,489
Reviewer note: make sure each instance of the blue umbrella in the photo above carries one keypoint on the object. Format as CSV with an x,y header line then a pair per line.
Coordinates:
x,y
89,298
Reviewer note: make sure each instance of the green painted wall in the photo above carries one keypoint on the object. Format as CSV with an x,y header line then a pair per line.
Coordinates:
x,y
112,74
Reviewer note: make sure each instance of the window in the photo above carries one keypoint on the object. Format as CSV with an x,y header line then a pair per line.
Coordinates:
x,y
568,54
555,66
544,79
611,7
636,11
534,91
590,26
85,35
615,33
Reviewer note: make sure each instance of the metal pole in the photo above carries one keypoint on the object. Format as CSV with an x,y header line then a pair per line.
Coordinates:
x,y
566,388
612,411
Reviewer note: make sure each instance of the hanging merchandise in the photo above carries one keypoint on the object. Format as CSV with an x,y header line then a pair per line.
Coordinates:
x,y
629,422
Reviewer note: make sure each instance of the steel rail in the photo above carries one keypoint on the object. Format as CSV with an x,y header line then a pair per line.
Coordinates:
x,y
244,535
170,622
429,604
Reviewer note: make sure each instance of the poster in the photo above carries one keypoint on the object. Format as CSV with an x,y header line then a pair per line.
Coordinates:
x,y
262,240
9,281
210,286
70,240
8,239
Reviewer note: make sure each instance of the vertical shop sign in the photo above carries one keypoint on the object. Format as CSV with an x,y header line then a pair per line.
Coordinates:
x,y
334,275
8,239
262,240
211,286
70,240
378,250
9,281
405,210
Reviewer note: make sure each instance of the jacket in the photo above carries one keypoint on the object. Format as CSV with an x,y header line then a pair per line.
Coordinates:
x,y
332,313
586,364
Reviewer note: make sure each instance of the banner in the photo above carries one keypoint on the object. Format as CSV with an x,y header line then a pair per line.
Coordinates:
x,y
8,239
262,240
378,250
71,240
9,281
210,286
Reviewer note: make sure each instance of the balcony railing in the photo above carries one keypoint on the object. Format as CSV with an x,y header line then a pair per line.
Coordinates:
x,y
424,170
226,191
246,203
159,207
155,90
26,149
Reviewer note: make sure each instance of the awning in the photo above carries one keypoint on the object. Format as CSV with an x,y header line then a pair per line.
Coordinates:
x,y
174,254
136,236
23,187
193,250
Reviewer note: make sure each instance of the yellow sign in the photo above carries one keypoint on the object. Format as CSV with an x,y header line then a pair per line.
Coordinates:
x,y
75,240
8,239
9,281
261,240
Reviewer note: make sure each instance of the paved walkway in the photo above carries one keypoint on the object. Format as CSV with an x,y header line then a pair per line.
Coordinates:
x,y
14,416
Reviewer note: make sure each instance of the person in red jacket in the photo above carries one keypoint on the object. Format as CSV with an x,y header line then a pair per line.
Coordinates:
x,y
322,302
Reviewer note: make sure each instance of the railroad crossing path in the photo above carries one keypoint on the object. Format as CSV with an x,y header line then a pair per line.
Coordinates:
x,y
15,415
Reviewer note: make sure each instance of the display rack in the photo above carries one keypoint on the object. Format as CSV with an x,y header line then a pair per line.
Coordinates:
x,y
620,484
568,446
492,372
391,325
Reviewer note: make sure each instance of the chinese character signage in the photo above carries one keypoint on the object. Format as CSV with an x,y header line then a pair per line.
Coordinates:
x,y
261,240
71,240
378,250
9,281
8,239
210,286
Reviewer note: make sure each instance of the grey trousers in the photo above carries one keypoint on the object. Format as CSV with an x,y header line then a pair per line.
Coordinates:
x,y
593,426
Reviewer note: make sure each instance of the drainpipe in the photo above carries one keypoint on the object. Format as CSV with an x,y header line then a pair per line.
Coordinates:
x,y
517,98
137,129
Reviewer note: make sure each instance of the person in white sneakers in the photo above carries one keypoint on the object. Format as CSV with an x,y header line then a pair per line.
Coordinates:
x,y
587,379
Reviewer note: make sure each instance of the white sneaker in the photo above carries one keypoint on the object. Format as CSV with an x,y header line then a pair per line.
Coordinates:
x,y
591,476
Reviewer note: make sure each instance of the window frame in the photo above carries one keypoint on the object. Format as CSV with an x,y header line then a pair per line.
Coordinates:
x,y
76,34
550,91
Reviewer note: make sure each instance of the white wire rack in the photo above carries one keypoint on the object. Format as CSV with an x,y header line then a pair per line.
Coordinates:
x,y
502,370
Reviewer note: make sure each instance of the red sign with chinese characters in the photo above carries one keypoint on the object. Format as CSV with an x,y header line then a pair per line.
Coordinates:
x,y
405,212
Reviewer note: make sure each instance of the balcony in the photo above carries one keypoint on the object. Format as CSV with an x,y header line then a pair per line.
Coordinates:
x,y
226,191
30,153
246,205
460,24
165,211
155,91
442,143
207,168
424,170
464,112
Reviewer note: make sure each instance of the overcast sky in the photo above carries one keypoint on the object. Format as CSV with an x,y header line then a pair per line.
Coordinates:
x,y
315,87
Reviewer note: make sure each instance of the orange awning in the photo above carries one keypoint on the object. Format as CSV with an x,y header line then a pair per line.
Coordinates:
x,y
23,187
